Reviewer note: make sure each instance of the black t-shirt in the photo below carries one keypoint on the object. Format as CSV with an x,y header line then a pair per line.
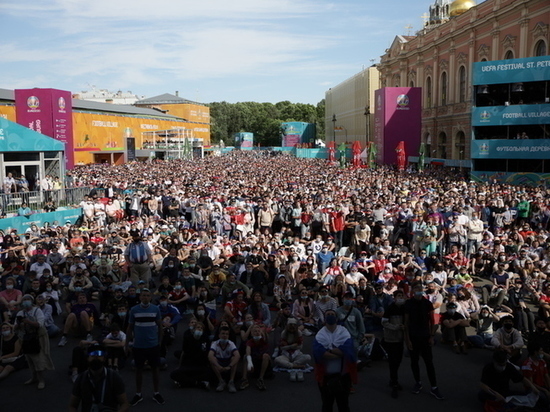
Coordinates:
x,y
309,284
420,312
500,381
103,392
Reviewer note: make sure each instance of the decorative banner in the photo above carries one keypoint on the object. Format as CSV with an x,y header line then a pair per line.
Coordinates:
x,y
511,115
511,149
47,111
22,223
529,69
294,133
131,148
244,140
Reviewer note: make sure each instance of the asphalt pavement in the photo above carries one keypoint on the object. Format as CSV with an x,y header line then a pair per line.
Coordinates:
x,y
458,379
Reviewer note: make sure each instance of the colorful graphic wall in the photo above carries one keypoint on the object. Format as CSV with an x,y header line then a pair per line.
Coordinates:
x,y
397,117
294,133
244,140
48,111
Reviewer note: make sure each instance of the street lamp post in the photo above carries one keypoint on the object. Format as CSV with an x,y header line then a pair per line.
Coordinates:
x,y
334,128
367,119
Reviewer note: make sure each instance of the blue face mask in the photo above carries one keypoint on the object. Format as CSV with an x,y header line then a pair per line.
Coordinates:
x,y
223,341
330,319
348,302
26,304
197,334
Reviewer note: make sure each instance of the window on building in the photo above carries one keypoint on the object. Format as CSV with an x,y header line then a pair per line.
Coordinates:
x,y
460,146
540,48
462,84
443,88
411,84
509,55
429,92
442,146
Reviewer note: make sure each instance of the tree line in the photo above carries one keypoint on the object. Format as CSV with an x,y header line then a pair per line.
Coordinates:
x,y
262,119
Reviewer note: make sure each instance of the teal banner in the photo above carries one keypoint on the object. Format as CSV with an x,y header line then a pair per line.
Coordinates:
x,y
510,149
528,179
529,69
511,115
22,223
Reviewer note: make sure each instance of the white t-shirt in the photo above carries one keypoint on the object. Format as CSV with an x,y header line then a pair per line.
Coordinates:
x,y
223,354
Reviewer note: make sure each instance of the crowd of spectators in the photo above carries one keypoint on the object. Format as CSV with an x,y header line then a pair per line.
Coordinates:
x,y
253,250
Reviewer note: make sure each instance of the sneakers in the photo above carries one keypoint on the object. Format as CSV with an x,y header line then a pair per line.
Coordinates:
x,y
157,397
261,385
136,399
62,341
300,376
307,332
231,386
205,385
436,394
417,388
221,386
244,384
292,376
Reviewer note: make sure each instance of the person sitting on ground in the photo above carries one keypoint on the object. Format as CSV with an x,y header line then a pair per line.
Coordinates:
x,y
115,343
257,360
224,358
11,355
535,370
508,339
290,351
81,318
484,329
193,366
495,382
454,328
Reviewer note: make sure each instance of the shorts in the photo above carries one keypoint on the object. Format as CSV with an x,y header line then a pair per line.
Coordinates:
x,y
151,355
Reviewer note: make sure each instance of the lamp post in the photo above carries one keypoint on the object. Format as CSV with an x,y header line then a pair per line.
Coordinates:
x,y
367,120
334,128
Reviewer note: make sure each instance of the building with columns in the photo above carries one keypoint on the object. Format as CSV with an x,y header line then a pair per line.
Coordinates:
x,y
439,59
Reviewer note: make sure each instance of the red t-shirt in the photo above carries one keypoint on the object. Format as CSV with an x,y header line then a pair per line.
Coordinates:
x,y
535,370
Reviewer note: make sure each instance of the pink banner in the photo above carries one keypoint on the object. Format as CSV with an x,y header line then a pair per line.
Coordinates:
x,y
48,111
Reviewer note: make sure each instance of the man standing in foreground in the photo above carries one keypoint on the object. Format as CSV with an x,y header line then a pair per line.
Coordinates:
x,y
144,328
335,363
98,388
419,337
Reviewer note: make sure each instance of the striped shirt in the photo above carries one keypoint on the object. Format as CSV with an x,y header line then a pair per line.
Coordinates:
x,y
137,252
144,320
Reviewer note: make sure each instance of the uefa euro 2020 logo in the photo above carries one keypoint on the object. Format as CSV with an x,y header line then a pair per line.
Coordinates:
x,y
484,148
485,116
61,103
33,102
402,100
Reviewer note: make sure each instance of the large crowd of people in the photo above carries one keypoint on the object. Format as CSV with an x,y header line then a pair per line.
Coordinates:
x,y
255,253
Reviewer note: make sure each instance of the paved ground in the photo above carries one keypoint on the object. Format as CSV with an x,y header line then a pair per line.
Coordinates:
x,y
458,377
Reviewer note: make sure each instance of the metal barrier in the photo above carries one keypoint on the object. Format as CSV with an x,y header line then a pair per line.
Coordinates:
x,y
11,202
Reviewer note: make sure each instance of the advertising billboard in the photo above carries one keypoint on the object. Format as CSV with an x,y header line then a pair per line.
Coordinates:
x,y
47,111
294,133
510,149
244,140
397,118
511,115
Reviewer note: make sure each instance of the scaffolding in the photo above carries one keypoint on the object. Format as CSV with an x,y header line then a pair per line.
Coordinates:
x,y
177,143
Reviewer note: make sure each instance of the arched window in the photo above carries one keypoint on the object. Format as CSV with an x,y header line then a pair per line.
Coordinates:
x,y
509,55
443,88
428,92
442,146
462,84
540,48
411,84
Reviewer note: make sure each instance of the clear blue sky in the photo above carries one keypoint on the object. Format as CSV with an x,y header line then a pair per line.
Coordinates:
x,y
209,50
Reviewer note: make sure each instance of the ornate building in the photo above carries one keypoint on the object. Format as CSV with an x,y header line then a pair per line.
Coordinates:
x,y
439,59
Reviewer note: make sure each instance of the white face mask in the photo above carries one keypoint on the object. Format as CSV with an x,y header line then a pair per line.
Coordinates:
x,y
6,333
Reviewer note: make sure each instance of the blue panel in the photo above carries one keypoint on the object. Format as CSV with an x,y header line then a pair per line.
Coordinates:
x,y
17,138
510,149
511,115
529,69
22,223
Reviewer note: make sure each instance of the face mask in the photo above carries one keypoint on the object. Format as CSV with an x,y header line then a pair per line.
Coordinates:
x,y
348,302
178,287
257,338
295,258
430,291
399,301
499,368
121,314
508,326
78,289
484,315
143,305
164,304
418,295
197,334
170,265
6,332
223,341
304,297
191,327
95,364
204,293
26,304
451,311
330,319
9,287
